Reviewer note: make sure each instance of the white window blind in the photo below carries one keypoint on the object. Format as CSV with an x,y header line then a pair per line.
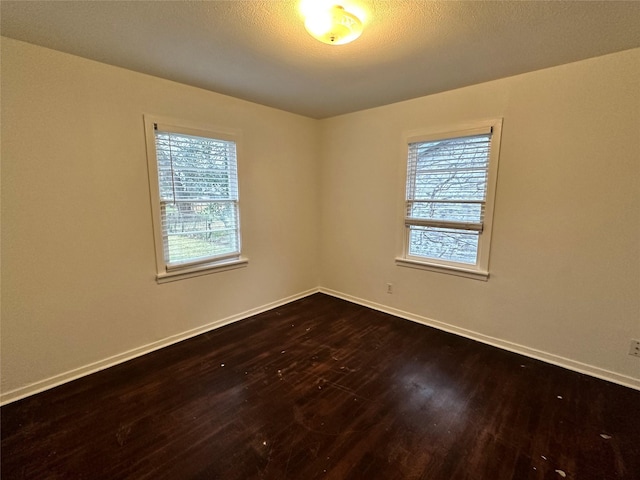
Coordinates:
x,y
198,189
446,195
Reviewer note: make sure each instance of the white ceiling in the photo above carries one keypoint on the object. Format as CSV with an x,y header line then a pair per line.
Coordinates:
x,y
258,50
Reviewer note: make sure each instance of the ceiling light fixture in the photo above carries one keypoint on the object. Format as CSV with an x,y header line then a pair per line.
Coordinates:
x,y
334,26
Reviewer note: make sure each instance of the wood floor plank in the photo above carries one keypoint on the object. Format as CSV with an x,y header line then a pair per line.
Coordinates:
x,y
325,389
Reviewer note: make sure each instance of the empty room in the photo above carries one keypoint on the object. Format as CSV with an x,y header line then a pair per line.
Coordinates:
x,y
308,239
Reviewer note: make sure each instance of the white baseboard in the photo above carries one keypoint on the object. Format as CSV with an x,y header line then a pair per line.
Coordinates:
x,y
51,382
495,342
76,373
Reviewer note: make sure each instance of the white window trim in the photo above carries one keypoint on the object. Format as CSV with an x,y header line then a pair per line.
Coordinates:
x,y
204,269
165,272
481,270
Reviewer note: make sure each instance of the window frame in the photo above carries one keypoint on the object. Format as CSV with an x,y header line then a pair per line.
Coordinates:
x,y
479,271
166,271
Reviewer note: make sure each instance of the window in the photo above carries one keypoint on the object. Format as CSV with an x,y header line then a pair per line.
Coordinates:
x,y
450,186
194,188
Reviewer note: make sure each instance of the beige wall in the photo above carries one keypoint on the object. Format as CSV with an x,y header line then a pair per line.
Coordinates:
x,y
78,289
78,259
565,259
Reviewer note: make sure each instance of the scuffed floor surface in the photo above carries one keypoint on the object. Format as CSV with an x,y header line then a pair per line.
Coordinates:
x,y
325,389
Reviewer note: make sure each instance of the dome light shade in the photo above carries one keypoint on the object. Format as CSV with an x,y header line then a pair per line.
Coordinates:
x,y
335,26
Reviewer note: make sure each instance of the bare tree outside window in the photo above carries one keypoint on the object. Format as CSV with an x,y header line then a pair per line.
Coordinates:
x,y
198,196
446,193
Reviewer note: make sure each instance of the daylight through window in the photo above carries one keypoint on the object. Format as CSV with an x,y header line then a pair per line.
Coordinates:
x,y
197,202
449,198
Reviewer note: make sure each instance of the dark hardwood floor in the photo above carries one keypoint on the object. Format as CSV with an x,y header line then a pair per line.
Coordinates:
x,y
322,388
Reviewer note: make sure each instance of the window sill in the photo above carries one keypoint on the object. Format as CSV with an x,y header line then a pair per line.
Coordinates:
x,y
199,270
450,270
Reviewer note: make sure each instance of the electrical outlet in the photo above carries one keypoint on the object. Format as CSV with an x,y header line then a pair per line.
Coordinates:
x,y
634,349
389,287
